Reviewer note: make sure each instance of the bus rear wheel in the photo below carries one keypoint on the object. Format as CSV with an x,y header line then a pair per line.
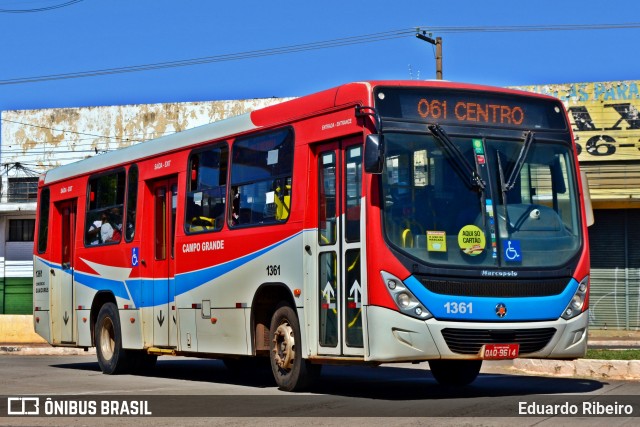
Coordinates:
x,y
291,371
112,358
455,372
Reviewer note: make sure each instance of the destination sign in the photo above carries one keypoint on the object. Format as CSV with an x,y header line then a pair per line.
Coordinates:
x,y
470,108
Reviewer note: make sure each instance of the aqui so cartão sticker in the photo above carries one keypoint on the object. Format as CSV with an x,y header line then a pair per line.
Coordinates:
x,y
471,240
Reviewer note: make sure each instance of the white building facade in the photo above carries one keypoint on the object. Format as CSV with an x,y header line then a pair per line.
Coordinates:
x,y
34,141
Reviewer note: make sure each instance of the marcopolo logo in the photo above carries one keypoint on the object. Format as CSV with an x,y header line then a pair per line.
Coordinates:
x,y
494,273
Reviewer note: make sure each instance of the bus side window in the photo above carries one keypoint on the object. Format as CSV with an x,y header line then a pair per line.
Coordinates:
x,y
261,178
132,201
207,189
105,202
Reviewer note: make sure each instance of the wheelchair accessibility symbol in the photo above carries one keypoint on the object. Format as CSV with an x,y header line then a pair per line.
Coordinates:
x,y
134,257
512,252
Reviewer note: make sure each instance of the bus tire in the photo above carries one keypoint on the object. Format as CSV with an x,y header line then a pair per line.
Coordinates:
x,y
290,370
455,372
112,358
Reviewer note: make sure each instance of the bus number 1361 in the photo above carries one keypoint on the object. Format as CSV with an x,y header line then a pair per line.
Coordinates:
x,y
459,307
273,270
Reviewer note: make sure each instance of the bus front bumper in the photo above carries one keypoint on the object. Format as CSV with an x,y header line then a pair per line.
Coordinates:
x,y
395,337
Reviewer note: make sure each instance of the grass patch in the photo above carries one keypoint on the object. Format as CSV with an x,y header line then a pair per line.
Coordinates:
x,y
606,354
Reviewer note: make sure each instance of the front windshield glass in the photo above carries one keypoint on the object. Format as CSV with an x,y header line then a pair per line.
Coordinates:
x,y
435,211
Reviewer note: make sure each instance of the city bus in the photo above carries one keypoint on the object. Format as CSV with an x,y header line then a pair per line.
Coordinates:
x,y
375,222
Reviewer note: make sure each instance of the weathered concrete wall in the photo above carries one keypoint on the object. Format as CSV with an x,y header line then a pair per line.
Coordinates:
x,y
42,139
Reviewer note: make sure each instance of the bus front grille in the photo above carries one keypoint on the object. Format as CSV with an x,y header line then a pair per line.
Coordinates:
x,y
497,288
470,341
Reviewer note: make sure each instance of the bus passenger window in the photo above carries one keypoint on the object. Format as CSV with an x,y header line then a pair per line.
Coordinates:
x,y
207,189
261,179
132,201
104,209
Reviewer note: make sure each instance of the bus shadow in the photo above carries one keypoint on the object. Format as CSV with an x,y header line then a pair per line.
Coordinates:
x,y
390,383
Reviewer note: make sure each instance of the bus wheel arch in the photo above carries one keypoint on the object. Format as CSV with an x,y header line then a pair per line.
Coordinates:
x,y
99,300
265,302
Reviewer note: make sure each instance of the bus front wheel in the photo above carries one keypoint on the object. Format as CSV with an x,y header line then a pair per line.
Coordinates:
x,y
291,371
112,358
455,372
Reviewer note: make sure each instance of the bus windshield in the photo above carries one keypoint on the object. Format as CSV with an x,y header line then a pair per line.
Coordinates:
x,y
526,213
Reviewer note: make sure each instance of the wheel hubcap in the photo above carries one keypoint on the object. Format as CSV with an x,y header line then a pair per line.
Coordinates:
x,y
284,347
107,339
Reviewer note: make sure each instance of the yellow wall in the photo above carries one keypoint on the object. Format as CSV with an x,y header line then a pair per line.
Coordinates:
x,y
18,329
605,117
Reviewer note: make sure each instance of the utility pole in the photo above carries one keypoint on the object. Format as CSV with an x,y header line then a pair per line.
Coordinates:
x,y
438,44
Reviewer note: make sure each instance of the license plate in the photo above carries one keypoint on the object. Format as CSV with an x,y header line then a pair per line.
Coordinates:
x,y
500,351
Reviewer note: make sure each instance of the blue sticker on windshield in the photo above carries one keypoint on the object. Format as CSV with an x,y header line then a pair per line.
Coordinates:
x,y
512,252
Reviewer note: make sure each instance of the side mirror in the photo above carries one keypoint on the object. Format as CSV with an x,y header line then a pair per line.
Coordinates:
x,y
374,154
586,198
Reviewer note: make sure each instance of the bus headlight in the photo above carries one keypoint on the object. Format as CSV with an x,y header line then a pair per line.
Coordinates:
x,y
406,302
577,302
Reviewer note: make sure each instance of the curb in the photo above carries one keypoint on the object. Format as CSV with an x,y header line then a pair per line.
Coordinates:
x,y
19,350
588,368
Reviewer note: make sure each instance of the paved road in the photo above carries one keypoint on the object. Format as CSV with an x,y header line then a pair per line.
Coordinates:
x,y
387,395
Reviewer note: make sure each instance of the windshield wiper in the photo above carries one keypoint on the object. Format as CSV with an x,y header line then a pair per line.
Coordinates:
x,y
517,167
454,152
503,188
507,185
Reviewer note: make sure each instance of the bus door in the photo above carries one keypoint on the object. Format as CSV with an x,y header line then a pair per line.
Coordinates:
x,y
339,282
61,282
165,197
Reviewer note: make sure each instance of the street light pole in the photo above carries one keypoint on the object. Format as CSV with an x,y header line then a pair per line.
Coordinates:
x,y
438,44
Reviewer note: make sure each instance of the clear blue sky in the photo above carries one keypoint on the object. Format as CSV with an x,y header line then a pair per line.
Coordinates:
x,y
100,34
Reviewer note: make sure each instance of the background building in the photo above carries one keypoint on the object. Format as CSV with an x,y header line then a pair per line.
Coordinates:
x,y
606,122
34,141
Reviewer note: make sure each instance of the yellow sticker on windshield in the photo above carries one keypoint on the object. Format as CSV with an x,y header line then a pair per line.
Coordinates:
x,y
471,240
436,241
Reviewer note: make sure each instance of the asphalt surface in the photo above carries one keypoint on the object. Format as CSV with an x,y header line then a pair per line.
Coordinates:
x,y
584,368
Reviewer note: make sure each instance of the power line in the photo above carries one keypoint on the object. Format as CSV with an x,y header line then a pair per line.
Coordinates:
x,y
530,28
40,9
346,41
340,42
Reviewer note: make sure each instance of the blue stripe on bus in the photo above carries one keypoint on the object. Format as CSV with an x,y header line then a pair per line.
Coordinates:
x,y
449,307
152,292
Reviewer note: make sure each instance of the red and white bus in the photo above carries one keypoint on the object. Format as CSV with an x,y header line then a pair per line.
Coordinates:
x,y
386,221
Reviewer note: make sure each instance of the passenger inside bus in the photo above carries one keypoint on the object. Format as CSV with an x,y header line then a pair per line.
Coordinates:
x,y
107,228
